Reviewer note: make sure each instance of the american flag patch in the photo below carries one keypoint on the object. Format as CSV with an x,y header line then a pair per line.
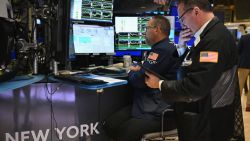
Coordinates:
x,y
153,56
209,56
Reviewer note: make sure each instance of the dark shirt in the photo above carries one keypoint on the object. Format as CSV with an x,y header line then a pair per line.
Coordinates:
x,y
147,102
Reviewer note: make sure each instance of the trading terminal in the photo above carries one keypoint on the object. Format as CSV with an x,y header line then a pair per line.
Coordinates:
x,y
63,62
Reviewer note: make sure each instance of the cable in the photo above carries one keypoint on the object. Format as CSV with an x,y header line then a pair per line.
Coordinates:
x,y
49,94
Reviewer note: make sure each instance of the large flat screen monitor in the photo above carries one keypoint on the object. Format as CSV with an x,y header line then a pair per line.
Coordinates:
x,y
130,32
92,10
93,39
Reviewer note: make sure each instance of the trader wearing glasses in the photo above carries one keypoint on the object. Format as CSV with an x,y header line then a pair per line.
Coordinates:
x,y
205,97
144,116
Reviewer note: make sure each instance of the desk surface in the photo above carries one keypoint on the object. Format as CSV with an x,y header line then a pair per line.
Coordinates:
x,y
111,82
14,83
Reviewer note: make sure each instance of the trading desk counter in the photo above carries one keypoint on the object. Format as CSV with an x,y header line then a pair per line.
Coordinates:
x,y
20,81
111,82
59,111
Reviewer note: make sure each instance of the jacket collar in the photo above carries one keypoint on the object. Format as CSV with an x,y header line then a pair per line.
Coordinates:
x,y
210,25
163,40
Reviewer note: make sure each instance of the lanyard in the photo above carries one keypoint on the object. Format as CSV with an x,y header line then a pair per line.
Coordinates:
x,y
186,61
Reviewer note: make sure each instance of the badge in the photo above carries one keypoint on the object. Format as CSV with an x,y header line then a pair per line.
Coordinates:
x,y
153,56
186,61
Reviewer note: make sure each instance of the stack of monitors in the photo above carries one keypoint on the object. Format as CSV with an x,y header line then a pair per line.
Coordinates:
x,y
91,30
92,10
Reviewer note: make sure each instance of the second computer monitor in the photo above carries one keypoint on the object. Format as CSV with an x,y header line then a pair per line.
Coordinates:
x,y
130,32
92,10
93,39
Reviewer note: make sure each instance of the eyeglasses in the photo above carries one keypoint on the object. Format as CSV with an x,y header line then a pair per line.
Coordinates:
x,y
185,12
148,27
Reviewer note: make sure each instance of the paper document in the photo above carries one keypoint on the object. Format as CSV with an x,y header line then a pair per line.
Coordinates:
x,y
106,79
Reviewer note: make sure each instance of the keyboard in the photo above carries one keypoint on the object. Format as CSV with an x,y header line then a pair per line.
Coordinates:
x,y
108,71
80,79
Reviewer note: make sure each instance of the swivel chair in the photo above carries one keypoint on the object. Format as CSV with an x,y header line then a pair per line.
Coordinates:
x,y
171,135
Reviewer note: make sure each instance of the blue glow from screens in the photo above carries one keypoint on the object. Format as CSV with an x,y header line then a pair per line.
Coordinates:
x,y
93,39
128,52
190,43
174,12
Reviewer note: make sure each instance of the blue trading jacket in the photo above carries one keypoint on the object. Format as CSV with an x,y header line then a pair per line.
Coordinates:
x,y
147,102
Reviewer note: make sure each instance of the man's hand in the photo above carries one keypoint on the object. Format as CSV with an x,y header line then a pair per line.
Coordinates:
x,y
151,80
185,35
135,68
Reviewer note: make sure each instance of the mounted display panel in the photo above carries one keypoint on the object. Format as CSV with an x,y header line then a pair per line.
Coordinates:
x,y
93,39
92,10
130,32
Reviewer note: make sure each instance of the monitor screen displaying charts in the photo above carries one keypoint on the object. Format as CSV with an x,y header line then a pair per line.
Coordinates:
x,y
93,39
130,32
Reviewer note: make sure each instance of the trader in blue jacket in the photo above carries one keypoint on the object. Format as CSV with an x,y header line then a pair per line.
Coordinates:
x,y
130,123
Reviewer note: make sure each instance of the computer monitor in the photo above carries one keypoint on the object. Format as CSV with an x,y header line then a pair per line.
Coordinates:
x,y
90,10
93,39
130,32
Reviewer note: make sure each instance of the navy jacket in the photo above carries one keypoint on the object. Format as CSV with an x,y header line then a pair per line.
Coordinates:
x,y
147,102
244,51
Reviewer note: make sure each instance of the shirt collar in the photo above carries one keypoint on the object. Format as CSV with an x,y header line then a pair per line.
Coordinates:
x,y
198,33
